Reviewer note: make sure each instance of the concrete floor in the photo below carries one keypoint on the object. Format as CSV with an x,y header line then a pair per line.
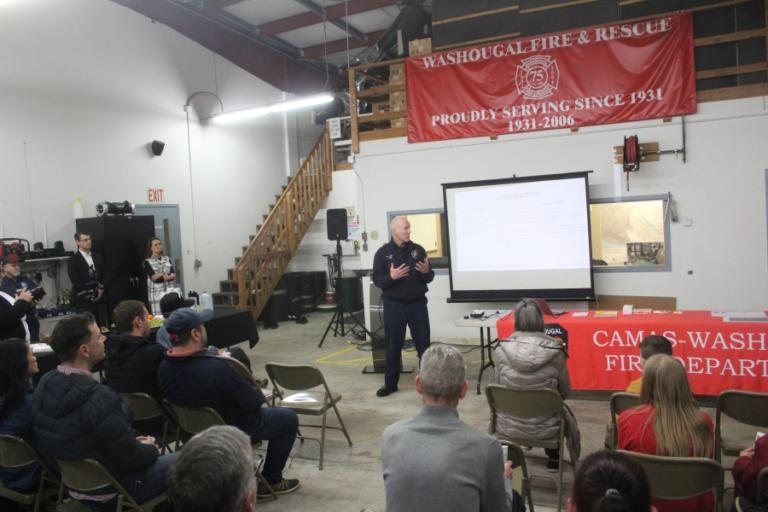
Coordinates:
x,y
351,478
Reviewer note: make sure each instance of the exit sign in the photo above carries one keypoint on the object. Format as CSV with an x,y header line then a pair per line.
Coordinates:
x,y
156,195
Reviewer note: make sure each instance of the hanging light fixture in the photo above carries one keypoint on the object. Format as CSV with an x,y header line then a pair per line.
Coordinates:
x,y
238,115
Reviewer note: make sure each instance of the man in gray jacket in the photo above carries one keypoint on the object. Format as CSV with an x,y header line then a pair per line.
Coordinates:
x,y
436,462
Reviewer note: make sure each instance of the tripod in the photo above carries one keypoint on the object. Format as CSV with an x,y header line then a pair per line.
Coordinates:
x,y
337,321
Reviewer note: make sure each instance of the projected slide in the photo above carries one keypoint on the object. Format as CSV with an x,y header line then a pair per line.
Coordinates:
x,y
519,237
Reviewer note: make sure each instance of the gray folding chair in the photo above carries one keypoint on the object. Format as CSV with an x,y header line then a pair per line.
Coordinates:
x,y
146,408
16,453
302,380
530,403
745,407
675,478
193,420
619,403
516,455
88,476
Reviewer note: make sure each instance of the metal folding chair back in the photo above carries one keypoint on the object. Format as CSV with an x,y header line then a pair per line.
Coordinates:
x,y
746,407
89,476
675,478
516,455
193,420
619,403
145,408
310,395
16,453
530,403
762,487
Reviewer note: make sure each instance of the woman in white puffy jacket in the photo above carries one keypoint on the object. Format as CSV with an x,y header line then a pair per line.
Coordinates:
x,y
531,359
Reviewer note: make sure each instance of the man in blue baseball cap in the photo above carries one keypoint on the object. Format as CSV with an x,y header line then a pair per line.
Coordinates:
x,y
191,375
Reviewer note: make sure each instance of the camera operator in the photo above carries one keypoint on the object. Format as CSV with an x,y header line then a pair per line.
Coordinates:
x,y
13,313
86,272
12,282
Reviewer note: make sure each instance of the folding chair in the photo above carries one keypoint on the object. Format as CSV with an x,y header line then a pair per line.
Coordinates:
x,y
16,453
516,455
194,420
530,403
302,379
675,478
761,499
88,476
745,407
146,408
619,403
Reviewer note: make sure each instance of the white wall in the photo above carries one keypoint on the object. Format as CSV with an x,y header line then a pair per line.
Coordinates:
x,y
720,261
85,85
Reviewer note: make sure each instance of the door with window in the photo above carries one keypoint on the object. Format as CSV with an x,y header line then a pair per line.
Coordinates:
x,y
168,230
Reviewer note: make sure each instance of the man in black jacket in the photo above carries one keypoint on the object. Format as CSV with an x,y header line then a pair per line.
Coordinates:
x,y
13,311
74,417
190,375
86,272
401,269
132,359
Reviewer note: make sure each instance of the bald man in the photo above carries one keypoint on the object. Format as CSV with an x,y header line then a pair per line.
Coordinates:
x,y
402,270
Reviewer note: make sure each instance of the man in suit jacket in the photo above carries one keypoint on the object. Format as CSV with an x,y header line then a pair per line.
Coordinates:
x,y
86,272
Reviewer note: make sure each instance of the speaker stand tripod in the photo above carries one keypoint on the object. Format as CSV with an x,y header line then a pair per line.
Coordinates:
x,y
337,321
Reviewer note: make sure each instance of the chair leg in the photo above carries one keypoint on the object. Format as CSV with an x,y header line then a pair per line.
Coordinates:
x,y
341,423
560,475
263,480
322,437
164,438
39,495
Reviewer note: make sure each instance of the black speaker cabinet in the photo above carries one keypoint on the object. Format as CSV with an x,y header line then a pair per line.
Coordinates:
x,y
337,224
122,241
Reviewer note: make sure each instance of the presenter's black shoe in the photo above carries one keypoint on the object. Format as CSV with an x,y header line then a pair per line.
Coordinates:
x,y
284,486
385,391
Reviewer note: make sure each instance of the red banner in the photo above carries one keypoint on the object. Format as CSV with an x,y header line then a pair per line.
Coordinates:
x,y
608,74
717,355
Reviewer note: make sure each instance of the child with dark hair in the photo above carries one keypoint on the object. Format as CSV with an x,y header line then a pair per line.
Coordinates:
x,y
651,345
610,482
17,365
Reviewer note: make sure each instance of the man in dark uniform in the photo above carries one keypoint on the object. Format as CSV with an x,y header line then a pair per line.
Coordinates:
x,y
13,281
86,272
401,269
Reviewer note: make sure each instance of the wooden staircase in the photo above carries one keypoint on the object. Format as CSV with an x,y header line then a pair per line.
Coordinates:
x,y
256,273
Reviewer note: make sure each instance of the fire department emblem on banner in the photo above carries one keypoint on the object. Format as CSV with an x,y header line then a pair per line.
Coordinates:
x,y
537,77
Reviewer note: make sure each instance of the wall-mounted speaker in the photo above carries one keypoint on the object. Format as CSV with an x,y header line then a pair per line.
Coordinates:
x,y
337,224
157,147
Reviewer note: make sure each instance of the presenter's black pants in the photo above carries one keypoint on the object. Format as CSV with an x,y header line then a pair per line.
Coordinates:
x,y
396,316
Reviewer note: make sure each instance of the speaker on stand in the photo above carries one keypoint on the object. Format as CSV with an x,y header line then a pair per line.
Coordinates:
x,y
338,230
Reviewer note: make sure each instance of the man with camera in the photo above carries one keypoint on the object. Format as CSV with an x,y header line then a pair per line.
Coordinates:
x,y
13,282
14,308
86,272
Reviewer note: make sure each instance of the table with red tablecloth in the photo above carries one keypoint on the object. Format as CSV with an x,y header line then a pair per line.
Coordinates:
x,y
717,354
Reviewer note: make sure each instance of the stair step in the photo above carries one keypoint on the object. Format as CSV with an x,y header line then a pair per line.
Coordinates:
x,y
237,259
251,237
245,248
225,298
231,273
228,285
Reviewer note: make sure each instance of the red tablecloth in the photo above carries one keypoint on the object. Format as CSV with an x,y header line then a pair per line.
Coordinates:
x,y
717,355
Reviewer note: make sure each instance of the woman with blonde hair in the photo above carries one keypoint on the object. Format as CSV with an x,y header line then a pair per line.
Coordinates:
x,y
668,422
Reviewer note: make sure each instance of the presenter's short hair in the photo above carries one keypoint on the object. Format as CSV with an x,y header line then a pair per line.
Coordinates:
x,y
214,471
655,344
443,372
528,316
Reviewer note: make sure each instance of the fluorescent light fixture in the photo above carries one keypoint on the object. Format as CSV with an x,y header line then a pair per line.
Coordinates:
x,y
283,106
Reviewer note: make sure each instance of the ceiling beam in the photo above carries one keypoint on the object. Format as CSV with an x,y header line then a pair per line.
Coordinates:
x,y
220,4
247,52
332,13
318,51
323,13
